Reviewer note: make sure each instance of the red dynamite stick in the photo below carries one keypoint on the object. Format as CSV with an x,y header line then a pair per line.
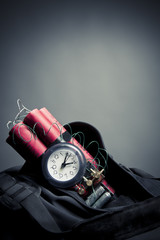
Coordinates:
x,y
46,131
52,119
25,142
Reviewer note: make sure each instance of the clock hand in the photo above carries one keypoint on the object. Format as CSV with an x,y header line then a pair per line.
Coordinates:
x,y
65,159
64,164
68,163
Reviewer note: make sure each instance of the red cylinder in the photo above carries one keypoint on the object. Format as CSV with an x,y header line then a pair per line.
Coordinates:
x,y
59,127
52,119
46,131
25,142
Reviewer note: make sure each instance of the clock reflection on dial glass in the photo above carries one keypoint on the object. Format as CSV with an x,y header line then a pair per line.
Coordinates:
x,y
63,165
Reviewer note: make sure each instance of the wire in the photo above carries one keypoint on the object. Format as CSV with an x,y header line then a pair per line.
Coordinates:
x,y
23,111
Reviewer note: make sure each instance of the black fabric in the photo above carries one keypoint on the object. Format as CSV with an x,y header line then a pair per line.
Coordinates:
x,y
132,210
15,195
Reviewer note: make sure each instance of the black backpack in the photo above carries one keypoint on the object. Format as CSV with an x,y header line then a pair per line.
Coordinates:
x,y
31,208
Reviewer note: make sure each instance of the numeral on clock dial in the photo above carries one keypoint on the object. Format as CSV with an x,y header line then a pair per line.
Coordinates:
x,y
60,175
54,167
56,156
54,172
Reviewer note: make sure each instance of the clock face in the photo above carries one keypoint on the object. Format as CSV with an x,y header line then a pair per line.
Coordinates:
x,y
63,165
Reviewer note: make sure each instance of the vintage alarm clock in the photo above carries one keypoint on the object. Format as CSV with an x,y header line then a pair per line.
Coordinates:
x,y
63,165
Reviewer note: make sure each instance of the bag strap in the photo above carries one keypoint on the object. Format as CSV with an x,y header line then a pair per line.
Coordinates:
x,y
16,195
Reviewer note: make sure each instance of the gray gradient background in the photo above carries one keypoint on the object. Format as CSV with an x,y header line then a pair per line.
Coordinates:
x,y
91,61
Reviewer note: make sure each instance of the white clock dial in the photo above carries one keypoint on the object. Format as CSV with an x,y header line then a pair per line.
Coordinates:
x,y
63,165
